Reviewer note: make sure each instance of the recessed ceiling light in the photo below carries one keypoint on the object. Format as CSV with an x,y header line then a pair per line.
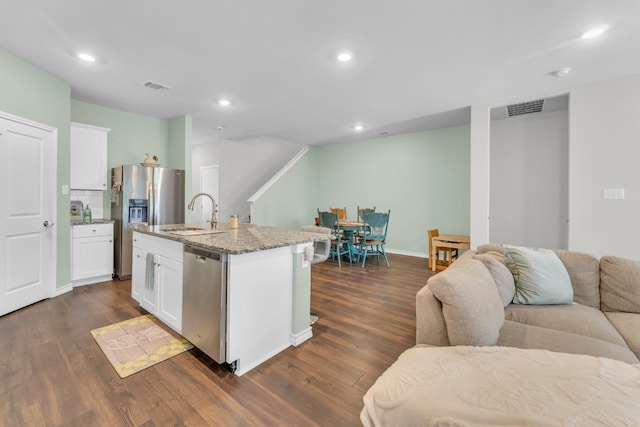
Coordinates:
x,y
344,56
595,32
358,128
86,57
561,72
224,102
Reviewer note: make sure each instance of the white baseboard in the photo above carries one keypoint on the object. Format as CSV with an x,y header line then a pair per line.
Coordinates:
x,y
92,280
300,337
63,290
407,253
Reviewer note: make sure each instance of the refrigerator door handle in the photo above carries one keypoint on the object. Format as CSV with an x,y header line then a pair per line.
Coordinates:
x,y
153,219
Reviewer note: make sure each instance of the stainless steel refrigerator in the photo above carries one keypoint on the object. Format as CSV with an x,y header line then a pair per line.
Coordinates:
x,y
142,195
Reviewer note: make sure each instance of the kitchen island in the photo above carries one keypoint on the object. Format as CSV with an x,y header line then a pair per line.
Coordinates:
x,y
266,285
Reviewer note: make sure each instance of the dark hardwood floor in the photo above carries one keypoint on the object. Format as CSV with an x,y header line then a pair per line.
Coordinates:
x,y
52,372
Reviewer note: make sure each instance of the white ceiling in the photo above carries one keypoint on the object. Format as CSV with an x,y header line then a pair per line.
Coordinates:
x,y
418,64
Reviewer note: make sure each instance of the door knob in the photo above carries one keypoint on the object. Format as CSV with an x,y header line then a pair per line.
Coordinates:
x,y
47,223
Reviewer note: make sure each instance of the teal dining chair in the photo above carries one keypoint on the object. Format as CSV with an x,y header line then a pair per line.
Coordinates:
x,y
339,243
363,211
372,242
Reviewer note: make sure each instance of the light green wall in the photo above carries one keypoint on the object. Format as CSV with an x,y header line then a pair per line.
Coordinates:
x,y
179,142
29,92
289,202
179,151
423,178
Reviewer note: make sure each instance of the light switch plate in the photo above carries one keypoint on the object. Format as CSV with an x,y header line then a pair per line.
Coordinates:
x,y
65,189
613,193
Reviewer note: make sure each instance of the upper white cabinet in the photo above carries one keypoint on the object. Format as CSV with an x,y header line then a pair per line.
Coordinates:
x,y
89,170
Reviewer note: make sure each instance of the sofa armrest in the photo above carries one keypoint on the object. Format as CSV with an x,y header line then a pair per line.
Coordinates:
x,y
431,328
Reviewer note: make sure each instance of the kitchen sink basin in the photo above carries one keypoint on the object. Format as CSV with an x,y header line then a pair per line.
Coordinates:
x,y
181,228
195,232
187,230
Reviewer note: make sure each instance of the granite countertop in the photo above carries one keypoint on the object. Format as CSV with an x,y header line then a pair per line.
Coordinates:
x,y
246,238
93,221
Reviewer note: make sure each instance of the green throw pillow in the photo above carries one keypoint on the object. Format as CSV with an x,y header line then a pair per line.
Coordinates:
x,y
540,276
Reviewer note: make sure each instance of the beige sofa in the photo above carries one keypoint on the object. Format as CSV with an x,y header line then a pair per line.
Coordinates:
x,y
482,360
462,306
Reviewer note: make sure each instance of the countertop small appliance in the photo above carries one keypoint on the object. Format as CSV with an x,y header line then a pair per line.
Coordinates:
x,y
76,211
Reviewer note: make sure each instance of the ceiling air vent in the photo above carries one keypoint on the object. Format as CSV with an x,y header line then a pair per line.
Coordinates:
x,y
525,108
154,85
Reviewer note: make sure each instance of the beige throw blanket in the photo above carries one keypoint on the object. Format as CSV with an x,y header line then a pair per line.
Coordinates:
x,y
489,386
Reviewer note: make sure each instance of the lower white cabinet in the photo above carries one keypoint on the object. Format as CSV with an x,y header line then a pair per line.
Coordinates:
x,y
162,294
92,253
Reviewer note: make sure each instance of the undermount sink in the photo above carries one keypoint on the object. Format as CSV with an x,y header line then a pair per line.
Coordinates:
x,y
195,232
189,231
181,228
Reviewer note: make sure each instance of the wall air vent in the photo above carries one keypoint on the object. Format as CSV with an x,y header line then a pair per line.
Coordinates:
x,y
525,108
154,85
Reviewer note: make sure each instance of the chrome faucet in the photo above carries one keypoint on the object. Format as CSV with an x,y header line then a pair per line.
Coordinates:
x,y
213,220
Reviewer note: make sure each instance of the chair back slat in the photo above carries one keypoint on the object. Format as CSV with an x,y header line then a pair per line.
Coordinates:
x,y
377,223
341,212
363,211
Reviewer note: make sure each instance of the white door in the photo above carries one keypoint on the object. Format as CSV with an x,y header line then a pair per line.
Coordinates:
x,y
27,236
209,183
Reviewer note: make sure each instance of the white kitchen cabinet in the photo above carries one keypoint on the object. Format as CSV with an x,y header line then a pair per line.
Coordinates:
x,y
138,271
92,253
89,167
163,297
169,281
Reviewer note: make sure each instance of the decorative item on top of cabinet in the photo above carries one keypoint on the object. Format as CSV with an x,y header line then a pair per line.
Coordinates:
x,y
151,160
89,169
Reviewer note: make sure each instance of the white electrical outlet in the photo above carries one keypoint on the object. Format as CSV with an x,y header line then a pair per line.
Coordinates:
x,y
613,193
65,189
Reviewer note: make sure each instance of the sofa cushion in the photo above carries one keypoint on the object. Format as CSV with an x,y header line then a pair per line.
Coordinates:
x,y
498,386
540,276
574,318
628,324
493,249
619,284
514,334
431,328
472,308
501,276
584,271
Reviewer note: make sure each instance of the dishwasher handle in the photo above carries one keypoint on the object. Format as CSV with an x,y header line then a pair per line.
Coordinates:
x,y
202,254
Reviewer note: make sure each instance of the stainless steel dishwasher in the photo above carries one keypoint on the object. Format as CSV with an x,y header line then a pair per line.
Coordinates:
x,y
204,301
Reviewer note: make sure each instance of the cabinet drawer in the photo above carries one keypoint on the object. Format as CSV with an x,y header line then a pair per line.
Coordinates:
x,y
92,230
159,246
